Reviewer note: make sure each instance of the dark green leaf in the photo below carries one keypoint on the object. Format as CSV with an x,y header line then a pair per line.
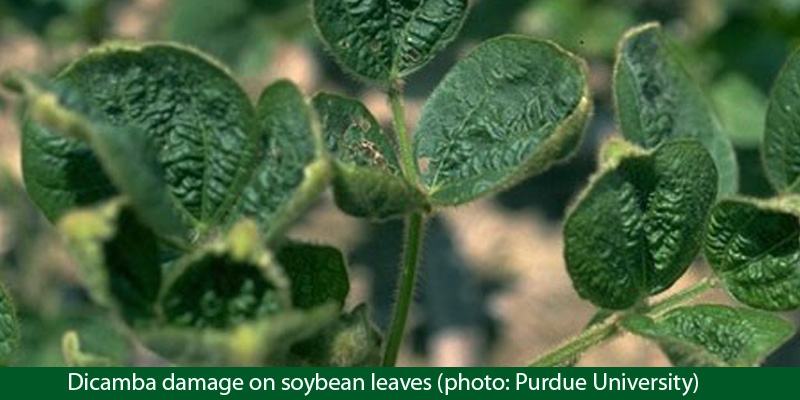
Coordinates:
x,y
74,356
195,116
318,274
511,108
118,258
381,40
9,327
657,101
227,283
782,136
292,170
368,181
714,335
351,342
639,225
754,246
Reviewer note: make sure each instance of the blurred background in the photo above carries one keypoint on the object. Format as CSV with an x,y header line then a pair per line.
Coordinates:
x,y
494,289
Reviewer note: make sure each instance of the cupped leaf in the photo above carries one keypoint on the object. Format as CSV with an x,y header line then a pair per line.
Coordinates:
x,y
117,257
318,274
9,327
351,342
657,101
511,108
380,40
368,182
754,246
123,152
714,335
782,136
292,170
226,283
640,223
74,356
262,342
195,116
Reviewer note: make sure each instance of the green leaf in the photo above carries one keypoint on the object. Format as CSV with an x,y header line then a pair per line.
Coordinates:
x,y
381,41
195,116
754,246
351,342
742,108
9,327
714,335
640,223
369,181
657,101
511,108
292,170
782,135
74,356
263,342
117,258
318,274
226,283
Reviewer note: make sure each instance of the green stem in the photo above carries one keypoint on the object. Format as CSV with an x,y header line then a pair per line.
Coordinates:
x,y
597,334
404,141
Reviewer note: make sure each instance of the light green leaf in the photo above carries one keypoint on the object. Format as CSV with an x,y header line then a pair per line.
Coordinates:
x,y
368,181
318,274
639,224
351,342
74,356
754,246
226,283
292,170
192,113
380,40
117,258
742,108
657,101
511,108
714,335
9,327
782,135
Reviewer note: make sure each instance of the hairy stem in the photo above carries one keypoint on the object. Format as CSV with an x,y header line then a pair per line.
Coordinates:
x,y
404,142
610,328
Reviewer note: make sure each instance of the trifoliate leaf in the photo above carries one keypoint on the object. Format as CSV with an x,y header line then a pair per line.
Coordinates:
x,y
368,181
195,116
511,108
117,258
714,335
226,283
657,101
638,226
381,40
317,274
9,327
74,356
351,342
754,246
292,168
782,135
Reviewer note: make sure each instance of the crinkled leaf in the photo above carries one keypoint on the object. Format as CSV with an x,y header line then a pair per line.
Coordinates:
x,y
228,282
351,342
639,224
117,257
195,116
381,40
511,108
782,135
714,335
265,341
754,246
9,327
292,170
74,356
368,181
317,274
657,101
